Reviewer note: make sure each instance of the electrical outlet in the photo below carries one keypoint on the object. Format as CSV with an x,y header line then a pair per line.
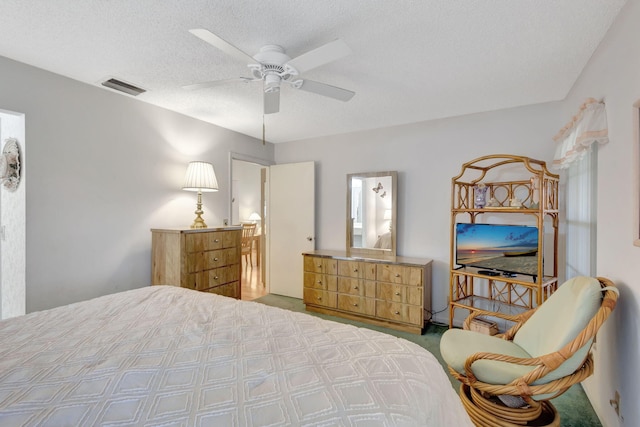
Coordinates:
x,y
225,222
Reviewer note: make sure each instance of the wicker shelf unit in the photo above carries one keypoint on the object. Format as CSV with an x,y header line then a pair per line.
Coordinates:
x,y
505,177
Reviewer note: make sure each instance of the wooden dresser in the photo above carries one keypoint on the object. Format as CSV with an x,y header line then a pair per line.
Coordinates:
x,y
392,292
202,259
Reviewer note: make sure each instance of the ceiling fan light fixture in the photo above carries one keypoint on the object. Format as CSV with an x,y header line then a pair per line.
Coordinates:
x,y
271,82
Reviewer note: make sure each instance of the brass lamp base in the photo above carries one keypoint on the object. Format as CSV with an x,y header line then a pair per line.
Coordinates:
x,y
199,222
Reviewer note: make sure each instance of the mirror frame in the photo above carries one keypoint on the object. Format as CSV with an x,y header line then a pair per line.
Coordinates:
x,y
373,252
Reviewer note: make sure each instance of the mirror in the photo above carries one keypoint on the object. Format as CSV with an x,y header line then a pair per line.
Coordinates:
x,y
371,213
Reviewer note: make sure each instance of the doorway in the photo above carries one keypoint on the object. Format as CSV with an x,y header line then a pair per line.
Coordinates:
x,y
285,215
248,207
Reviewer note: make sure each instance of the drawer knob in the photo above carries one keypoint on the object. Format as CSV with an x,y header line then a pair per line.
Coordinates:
x,y
216,241
355,287
355,270
215,259
397,312
215,277
319,282
397,293
319,265
355,304
319,298
397,274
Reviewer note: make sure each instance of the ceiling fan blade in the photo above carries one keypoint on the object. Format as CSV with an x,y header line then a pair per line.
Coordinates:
x,y
327,90
322,55
222,44
271,102
217,83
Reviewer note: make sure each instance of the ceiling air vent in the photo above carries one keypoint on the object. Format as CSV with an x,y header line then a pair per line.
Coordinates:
x,y
123,87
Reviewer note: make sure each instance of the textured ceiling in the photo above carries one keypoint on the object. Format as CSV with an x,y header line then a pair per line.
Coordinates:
x,y
412,60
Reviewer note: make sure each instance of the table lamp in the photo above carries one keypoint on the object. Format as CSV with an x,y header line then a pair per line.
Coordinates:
x,y
254,217
200,177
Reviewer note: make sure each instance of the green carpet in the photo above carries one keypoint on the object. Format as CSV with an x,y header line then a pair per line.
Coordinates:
x,y
573,406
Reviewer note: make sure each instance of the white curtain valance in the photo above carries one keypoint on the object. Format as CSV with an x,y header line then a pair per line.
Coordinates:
x,y
586,127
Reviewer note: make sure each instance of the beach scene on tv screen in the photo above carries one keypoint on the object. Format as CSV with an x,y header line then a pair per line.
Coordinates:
x,y
509,248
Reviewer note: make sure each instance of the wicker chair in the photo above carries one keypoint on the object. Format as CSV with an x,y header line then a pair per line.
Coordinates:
x,y
508,379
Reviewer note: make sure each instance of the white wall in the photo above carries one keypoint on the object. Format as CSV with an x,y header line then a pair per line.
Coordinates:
x,y
426,155
104,169
12,221
613,74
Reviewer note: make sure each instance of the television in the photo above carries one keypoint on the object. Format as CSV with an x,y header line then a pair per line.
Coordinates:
x,y
508,249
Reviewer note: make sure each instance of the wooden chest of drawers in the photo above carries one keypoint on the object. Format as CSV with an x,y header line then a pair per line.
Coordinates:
x,y
393,293
204,259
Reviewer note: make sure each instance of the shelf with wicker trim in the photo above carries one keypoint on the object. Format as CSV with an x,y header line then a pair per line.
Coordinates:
x,y
536,191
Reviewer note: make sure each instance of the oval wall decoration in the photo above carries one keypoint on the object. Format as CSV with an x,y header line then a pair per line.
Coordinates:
x,y
10,164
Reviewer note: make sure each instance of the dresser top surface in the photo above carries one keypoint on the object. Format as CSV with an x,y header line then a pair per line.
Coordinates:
x,y
343,255
195,230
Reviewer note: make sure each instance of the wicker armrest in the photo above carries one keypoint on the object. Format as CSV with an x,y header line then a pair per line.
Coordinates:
x,y
532,361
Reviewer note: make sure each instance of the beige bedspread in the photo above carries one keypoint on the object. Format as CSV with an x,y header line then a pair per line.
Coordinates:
x,y
165,356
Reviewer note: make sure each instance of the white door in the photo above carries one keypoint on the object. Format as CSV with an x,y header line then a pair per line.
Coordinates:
x,y
291,225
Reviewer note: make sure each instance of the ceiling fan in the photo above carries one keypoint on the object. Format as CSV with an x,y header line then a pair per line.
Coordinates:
x,y
273,67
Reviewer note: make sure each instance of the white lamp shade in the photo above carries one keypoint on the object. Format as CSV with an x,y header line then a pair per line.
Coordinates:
x,y
200,177
255,216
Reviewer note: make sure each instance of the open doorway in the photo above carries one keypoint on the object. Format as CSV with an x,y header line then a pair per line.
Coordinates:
x,y
248,201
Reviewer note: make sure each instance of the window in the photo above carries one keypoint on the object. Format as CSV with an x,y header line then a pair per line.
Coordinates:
x,y
578,155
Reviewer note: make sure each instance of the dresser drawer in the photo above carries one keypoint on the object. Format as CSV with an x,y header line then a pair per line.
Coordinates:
x,y
320,281
356,304
191,280
231,239
349,285
321,298
399,312
199,242
198,261
232,256
357,269
399,274
231,290
213,259
320,265
399,293
217,276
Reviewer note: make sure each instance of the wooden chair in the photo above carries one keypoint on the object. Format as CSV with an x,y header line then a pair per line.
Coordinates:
x,y
508,379
248,230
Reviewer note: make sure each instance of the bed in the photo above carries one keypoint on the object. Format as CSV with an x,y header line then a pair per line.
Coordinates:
x,y
167,356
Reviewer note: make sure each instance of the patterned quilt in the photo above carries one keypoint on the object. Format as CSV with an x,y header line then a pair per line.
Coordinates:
x,y
166,356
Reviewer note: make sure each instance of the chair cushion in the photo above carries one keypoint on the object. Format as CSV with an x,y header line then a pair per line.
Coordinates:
x,y
560,319
457,345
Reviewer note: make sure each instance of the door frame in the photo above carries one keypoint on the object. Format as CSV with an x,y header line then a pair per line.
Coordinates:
x,y
264,195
